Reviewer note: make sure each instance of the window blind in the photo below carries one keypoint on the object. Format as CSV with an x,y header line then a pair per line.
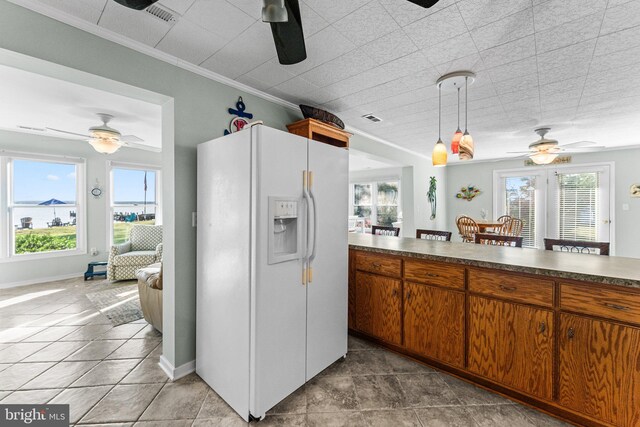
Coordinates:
x,y
578,205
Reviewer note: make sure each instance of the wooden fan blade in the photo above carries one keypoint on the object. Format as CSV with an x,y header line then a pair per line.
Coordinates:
x,y
69,133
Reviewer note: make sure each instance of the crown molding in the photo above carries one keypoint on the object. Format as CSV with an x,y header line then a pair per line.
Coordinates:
x,y
114,37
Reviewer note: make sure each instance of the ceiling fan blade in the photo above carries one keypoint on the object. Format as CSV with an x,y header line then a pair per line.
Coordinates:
x,y
424,3
130,138
520,152
70,133
289,36
141,146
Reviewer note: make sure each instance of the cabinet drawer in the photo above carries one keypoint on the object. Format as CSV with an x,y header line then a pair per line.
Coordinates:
x,y
450,276
528,290
380,264
594,301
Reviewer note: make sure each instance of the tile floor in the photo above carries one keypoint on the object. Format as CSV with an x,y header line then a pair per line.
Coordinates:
x,y
56,348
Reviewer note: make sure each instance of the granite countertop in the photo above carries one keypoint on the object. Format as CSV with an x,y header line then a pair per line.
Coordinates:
x,y
611,270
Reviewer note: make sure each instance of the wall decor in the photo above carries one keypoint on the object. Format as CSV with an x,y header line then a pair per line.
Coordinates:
x,y
309,112
238,122
634,191
468,193
431,195
96,190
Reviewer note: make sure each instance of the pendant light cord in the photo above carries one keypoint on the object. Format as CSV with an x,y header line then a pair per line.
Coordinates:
x,y
466,105
439,110
458,108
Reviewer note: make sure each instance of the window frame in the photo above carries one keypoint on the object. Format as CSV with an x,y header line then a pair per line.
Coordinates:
x,y
7,245
111,165
374,195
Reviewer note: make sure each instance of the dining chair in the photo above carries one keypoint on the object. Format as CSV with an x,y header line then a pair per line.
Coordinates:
x,y
433,235
498,240
379,230
467,228
512,227
577,246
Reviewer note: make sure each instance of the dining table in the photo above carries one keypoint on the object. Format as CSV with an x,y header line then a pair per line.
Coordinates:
x,y
487,224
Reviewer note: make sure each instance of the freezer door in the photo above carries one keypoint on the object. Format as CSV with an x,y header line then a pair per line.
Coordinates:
x,y
278,293
327,290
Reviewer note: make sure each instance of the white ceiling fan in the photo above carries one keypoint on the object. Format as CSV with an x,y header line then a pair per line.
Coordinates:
x,y
103,138
546,150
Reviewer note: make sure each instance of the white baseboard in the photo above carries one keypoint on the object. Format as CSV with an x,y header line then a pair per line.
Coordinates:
x,y
40,280
179,372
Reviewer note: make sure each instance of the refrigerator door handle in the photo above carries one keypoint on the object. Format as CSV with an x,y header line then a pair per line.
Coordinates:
x,y
315,219
307,198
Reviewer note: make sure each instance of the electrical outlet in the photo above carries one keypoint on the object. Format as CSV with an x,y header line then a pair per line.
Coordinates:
x,y
94,251
194,219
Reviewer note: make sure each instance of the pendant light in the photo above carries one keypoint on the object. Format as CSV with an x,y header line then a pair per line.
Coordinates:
x,y
439,154
466,142
455,142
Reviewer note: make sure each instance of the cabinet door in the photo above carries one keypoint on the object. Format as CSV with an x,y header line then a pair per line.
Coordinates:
x,y
378,306
600,369
434,323
512,344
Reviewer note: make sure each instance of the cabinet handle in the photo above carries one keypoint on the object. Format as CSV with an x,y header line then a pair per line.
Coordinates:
x,y
616,306
395,292
408,295
432,275
571,333
508,288
542,328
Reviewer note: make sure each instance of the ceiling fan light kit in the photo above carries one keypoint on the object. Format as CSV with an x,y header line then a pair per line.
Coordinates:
x,y
105,146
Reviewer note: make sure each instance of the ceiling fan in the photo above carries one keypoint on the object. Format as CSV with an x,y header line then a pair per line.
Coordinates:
x,y
103,138
545,150
286,25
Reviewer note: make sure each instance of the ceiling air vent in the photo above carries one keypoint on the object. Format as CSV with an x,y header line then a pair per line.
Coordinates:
x,y
372,118
162,13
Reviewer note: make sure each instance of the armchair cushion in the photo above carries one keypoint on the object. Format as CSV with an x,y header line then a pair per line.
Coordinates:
x,y
145,237
151,276
136,258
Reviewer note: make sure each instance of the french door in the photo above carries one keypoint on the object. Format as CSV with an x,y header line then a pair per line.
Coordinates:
x,y
558,202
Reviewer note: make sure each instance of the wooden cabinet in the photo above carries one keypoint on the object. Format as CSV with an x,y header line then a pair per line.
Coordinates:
x,y
320,131
379,303
528,290
512,344
434,323
433,273
600,369
351,313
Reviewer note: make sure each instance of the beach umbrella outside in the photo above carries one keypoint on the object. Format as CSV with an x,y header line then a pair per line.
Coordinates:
x,y
52,202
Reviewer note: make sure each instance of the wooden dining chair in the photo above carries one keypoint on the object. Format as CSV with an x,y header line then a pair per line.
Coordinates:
x,y
498,240
577,246
433,235
512,227
379,230
467,228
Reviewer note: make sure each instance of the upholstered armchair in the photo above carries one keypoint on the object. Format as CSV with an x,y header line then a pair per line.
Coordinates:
x,y
143,248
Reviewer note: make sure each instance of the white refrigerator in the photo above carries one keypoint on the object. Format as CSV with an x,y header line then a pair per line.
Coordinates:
x,y
271,264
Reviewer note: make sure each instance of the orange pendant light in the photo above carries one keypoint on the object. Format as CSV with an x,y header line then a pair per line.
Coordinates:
x,y
466,146
439,154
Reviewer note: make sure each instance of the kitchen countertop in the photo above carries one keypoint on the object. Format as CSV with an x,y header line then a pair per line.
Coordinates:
x,y
611,270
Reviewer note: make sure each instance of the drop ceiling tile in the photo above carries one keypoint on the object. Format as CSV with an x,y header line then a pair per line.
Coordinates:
x,y
509,52
190,42
252,8
454,48
134,24
564,86
179,6
247,51
577,55
619,41
471,62
517,84
219,17
436,27
556,74
323,46
333,10
577,31
556,97
311,21
621,17
89,10
613,60
513,69
345,66
477,13
366,24
529,95
297,86
614,3
513,27
256,84
405,12
557,12
389,47
271,73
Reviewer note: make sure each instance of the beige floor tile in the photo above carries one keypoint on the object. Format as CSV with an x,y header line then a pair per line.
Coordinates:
x,y
9,335
36,397
447,416
233,421
122,404
135,348
75,308
48,320
177,400
106,372
288,420
8,320
156,353
80,400
336,419
53,333
87,333
4,394
84,318
16,375
56,351
4,366
379,392
60,376
331,394
215,407
122,332
499,416
46,309
14,353
170,423
96,350
148,332
148,371
400,418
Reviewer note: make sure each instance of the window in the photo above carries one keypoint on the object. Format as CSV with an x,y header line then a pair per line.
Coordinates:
x,y
520,202
376,202
134,198
44,209
578,213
